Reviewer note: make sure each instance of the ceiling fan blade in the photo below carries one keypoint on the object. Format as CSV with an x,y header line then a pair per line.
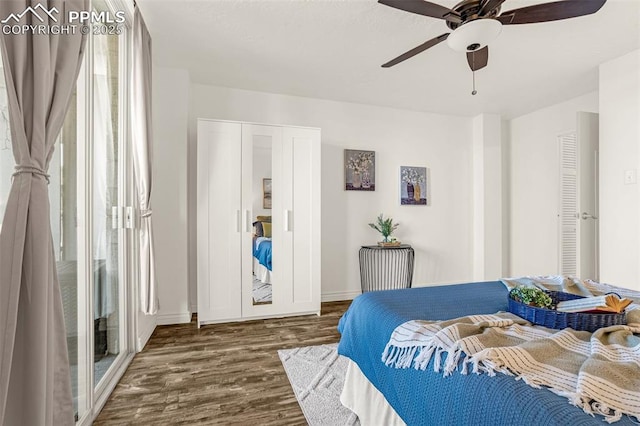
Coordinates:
x,y
554,11
421,7
413,52
478,59
489,5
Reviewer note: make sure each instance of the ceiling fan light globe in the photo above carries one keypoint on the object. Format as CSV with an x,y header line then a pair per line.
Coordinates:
x,y
474,35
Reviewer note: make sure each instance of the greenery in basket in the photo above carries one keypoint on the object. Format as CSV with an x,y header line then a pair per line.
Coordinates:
x,y
384,226
531,296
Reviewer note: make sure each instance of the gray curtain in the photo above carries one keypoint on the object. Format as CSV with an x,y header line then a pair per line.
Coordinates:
x,y
40,73
143,159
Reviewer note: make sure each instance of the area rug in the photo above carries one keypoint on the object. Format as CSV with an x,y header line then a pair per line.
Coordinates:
x,y
261,292
316,374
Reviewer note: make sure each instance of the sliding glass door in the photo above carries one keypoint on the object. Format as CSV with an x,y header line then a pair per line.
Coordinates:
x,y
105,187
90,185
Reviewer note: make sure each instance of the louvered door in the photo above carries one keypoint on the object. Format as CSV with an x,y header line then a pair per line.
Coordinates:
x,y
568,204
578,204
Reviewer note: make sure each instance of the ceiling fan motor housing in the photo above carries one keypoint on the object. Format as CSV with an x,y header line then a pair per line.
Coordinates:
x,y
469,10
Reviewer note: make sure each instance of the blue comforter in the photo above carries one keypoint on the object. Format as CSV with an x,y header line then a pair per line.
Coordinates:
x,y
428,398
262,252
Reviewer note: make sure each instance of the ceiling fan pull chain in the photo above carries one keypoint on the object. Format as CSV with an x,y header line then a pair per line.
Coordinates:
x,y
473,73
474,91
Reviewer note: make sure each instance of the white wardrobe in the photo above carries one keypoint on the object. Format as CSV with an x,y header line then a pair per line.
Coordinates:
x,y
248,172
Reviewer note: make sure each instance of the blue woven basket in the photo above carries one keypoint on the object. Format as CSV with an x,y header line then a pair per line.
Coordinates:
x,y
551,318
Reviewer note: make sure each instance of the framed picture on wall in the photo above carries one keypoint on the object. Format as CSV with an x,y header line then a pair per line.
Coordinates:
x,y
359,170
266,193
413,186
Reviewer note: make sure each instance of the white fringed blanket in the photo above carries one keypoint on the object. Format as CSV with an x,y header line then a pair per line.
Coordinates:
x,y
598,372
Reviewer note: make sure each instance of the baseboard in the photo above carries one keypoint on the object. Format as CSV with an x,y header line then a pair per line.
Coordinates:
x,y
193,308
336,296
176,318
145,335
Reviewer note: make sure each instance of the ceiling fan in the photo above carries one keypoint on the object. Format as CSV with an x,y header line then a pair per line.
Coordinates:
x,y
476,23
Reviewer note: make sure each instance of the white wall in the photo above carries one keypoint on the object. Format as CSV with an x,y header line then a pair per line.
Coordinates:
x,y
169,196
440,232
533,184
488,221
619,152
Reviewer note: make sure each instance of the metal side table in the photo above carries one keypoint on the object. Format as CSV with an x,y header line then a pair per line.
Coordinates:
x,y
386,268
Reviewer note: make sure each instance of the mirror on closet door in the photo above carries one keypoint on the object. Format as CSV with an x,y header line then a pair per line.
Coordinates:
x,y
262,230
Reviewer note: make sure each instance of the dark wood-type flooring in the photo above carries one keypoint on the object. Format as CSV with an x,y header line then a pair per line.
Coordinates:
x,y
221,374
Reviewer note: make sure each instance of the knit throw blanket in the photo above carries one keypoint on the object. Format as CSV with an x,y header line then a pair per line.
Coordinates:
x,y
598,372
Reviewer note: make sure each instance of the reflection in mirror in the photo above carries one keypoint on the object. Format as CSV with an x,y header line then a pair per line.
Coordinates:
x,y
262,240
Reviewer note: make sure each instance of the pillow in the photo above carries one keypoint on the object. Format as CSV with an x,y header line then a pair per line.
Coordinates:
x,y
266,226
263,219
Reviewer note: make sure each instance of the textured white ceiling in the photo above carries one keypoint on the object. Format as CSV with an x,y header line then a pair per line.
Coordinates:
x,y
333,49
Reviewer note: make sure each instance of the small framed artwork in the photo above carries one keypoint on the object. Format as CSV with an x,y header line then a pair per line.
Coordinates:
x,y
266,193
359,170
413,186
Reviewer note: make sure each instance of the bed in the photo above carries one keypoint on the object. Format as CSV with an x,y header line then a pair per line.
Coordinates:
x,y
262,259
408,396
262,249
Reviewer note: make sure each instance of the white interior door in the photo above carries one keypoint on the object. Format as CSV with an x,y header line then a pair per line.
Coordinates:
x,y
587,135
578,224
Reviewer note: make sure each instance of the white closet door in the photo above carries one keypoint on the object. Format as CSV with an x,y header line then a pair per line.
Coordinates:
x,y
219,221
301,214
568,204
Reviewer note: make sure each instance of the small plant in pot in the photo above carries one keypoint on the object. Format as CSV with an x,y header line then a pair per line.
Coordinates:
x,y
385,227
531,296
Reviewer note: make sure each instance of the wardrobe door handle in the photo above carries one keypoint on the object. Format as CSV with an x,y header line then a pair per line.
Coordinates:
x,y
247,221
287,221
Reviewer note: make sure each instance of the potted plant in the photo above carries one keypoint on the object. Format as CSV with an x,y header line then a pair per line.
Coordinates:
x,y
531,296
384,227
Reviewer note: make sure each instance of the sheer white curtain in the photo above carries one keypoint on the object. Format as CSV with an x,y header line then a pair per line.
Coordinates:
x,y
40,73
142,159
